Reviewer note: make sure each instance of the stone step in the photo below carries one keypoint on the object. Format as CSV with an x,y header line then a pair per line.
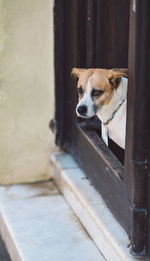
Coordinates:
x,y
91,209
37,224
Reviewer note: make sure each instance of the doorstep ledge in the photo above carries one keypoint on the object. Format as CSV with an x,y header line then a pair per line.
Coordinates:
x,y
90,208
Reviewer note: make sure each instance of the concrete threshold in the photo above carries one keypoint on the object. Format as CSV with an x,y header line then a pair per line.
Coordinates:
x,y
90,208
37,224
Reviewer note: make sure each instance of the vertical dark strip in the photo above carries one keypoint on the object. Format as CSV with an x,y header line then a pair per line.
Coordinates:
x,y
71,60
130,99
122,33
138,129
100,34
59,70
82,34
109,33
91,33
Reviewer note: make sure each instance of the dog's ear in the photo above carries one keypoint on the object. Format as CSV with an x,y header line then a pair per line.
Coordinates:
x,y
116,75
121,70
76,72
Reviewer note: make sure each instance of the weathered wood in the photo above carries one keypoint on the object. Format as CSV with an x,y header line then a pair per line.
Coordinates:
x,y
103,170
137,146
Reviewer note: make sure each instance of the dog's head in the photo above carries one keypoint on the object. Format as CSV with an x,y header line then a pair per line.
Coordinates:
x,y
95,88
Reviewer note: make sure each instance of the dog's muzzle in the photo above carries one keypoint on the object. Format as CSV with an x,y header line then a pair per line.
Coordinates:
x,y
82,110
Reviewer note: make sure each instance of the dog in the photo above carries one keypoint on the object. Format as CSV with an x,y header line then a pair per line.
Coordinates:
x,y
103,92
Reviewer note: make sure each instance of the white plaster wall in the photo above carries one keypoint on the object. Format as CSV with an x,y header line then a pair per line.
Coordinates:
x,y
26,89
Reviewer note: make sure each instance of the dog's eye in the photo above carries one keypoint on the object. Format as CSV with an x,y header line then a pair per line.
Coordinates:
x,y
80,90
97,92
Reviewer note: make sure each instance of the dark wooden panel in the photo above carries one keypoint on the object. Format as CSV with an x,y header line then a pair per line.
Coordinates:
x,y
112,33
99,44
82,33
91,33
103,170
138,129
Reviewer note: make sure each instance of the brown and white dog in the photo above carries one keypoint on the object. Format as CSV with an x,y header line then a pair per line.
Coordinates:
x,y
103,92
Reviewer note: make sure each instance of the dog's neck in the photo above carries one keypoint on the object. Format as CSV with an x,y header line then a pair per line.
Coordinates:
x,y
106,112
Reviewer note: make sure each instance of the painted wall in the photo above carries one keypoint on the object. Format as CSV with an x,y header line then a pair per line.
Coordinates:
x,y
26,89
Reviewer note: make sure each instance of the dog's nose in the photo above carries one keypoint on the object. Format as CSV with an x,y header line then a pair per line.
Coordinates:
x,y
82,110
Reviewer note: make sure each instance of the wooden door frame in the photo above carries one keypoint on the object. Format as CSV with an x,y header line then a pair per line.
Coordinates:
x,y
125,188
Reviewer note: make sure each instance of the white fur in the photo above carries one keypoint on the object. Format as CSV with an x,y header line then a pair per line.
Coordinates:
x,y
117,126
87,101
